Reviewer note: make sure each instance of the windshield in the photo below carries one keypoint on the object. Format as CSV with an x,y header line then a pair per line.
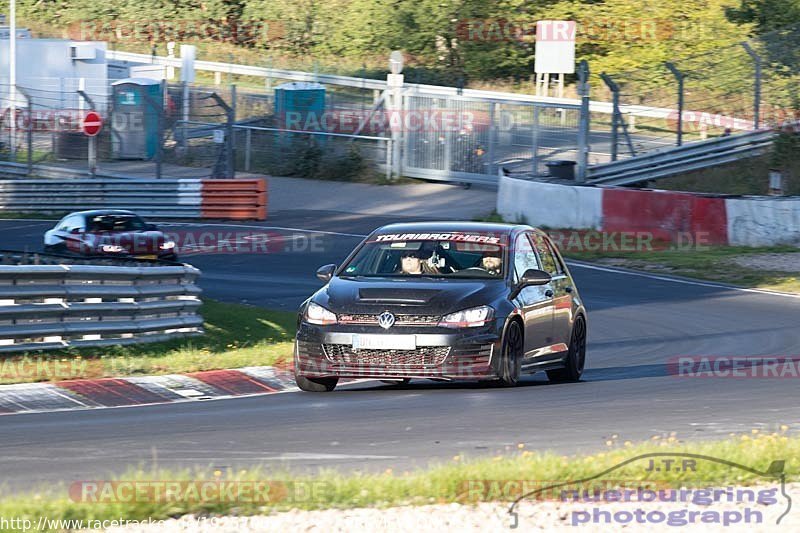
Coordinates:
x,y
396,256
116,223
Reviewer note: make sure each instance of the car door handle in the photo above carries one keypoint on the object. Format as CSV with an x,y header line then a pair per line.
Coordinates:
x,y
568,289
548,293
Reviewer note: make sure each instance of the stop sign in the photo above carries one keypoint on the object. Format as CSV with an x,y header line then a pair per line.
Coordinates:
x,y
92,124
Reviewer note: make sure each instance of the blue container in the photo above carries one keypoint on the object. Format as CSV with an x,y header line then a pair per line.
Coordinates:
x,y
137,103
300,106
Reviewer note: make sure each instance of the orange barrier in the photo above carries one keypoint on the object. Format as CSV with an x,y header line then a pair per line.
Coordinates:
x,y
234,199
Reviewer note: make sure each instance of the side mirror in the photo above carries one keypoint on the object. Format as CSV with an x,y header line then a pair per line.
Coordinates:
x,y
531,277
325,273
534,276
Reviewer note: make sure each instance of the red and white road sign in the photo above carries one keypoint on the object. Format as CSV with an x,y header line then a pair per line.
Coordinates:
x,y
92,124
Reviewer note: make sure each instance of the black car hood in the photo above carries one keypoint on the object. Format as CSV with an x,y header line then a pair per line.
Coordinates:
x,y
375,295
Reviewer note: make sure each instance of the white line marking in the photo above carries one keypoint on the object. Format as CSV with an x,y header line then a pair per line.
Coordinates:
x,y
684,281
253,226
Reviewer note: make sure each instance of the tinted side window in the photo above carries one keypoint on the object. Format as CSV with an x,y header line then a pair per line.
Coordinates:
x,y
524,256
72,222
549,263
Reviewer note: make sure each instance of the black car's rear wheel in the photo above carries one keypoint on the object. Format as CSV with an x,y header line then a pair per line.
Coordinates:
x,y
511,359
315,384
576,356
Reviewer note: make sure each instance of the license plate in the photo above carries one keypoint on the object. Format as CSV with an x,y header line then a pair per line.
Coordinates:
x,y
384,342
146,257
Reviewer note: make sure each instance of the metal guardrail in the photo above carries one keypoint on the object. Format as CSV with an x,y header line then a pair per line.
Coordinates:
x,y
681,159
181,198
50,302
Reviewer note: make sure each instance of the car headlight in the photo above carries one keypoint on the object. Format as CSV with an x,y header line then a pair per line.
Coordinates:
x,y
112,248
316,314
468,318
167,245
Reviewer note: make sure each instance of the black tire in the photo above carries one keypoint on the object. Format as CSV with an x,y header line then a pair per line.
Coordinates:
x,y
316,384
404,381
576,356
511,358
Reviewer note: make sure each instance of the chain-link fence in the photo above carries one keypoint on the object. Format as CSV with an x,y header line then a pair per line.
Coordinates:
x,y
743,87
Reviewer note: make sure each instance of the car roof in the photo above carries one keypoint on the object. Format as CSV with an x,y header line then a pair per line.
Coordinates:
x,y
98,212
449,227
456,226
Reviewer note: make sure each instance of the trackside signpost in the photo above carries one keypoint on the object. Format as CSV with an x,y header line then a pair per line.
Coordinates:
x,y
91,125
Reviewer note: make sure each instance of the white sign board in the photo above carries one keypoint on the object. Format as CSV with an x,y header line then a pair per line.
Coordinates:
x,y
219,136
188,53
555,47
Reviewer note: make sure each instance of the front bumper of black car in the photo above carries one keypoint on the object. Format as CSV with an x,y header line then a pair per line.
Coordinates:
x,y
440,353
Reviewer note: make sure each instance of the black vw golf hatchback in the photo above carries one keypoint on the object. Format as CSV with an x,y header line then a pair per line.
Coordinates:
x,y
446,301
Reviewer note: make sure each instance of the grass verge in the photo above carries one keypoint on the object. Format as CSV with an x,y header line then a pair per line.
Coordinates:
x,y
235,336
444,483
758,268
712,263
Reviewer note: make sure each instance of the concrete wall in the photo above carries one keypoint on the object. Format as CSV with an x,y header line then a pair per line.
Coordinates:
x,y
545,204
666,215
763,221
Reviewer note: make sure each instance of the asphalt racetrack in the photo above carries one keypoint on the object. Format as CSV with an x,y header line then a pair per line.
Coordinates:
x,y
637,323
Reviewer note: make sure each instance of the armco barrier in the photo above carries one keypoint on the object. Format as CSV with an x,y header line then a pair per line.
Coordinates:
x,y
157,198
49,302
236,199
666,215
240,199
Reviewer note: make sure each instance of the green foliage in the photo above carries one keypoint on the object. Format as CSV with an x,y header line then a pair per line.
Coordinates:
x,y
614,35
767,15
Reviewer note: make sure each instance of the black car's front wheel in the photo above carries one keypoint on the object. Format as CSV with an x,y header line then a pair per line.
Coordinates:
x,y
511,359
576,356
315,384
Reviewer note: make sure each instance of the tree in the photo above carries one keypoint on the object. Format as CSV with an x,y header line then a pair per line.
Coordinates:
x,y
767,15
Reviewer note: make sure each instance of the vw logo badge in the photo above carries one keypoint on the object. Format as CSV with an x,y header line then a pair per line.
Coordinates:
x,y
386,320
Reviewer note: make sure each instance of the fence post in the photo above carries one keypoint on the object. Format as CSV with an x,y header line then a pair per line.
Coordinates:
x,y
92,155
492,138
756,84
614,113
584,122
184,114
679,76
230,160
247,143
535,140
394,83
28,129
